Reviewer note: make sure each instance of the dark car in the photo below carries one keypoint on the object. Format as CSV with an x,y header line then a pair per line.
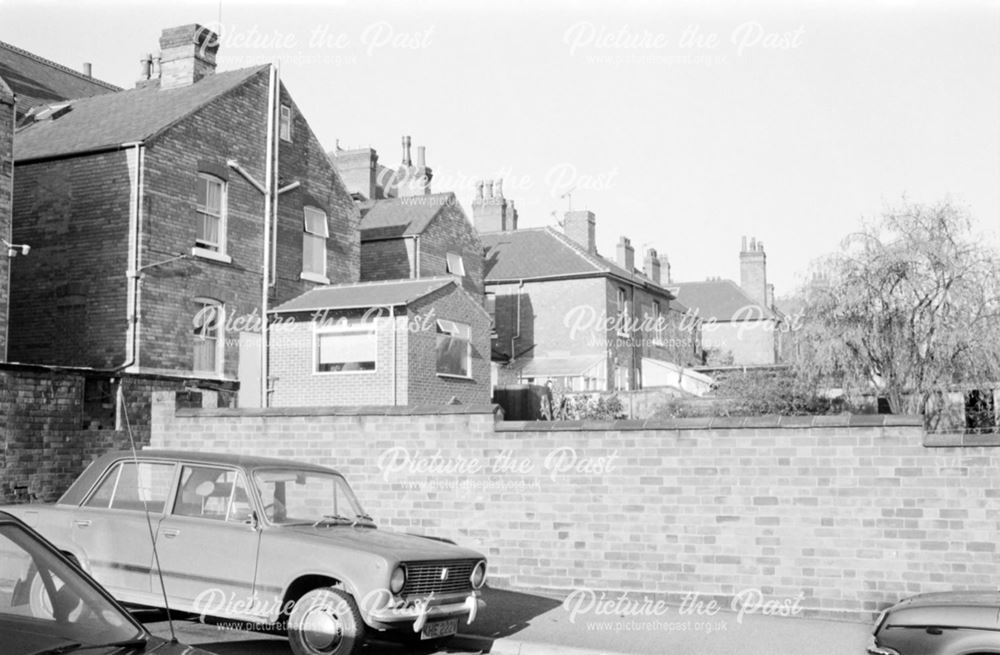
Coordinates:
x,y
48,605
945,623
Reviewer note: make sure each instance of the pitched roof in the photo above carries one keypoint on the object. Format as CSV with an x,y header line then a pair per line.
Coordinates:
x,y
545,252
722,300
114,119
362,295
396,217
38,81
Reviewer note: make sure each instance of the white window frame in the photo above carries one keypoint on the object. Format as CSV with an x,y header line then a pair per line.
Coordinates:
x,y
285,122
454,264
623,313
345,327
203,247
307,235
456,330
220,335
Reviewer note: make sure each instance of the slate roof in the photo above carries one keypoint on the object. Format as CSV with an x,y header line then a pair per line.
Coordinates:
x,y
38,81
362,295
545,252
397,217
720,299
113,119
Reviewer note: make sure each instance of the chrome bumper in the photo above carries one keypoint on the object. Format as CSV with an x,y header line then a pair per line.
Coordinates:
x,y
421,612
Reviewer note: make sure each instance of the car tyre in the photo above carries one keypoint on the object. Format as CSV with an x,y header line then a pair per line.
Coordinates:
x,y
326,621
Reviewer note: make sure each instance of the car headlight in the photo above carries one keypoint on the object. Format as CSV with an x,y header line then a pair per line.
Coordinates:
x,y
397,580
478,577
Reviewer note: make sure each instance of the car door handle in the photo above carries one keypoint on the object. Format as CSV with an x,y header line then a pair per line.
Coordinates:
x,y
170,533
81,523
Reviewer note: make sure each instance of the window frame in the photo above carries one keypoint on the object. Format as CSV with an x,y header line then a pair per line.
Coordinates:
x,y
203,247
307,235
285,122
454,264
441,330
219,354
214,520
344,327
623,312
115,470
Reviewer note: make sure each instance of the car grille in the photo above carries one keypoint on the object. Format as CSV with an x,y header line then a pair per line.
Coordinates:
x,y
423,578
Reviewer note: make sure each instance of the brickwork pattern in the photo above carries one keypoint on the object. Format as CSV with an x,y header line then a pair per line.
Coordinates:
x,y
6,201
850,512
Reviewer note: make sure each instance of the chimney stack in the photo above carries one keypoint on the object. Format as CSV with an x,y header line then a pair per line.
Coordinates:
x,y
581,226
187,54
753,271
665,270
626,254
651,266
491,212
359,170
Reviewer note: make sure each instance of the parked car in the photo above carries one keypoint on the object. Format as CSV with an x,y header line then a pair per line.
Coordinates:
x,y
946,623
48,605
269,541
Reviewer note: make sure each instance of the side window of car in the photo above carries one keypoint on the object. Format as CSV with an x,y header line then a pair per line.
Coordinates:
x,y
134,486
213,493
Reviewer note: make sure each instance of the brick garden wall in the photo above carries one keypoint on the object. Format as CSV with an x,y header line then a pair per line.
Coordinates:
x,y
48,436
850,512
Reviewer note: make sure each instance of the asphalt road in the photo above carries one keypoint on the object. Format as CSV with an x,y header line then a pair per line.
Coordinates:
x,y
517,622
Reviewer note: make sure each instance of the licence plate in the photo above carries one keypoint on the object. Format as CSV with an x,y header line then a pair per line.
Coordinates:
x,y
439,629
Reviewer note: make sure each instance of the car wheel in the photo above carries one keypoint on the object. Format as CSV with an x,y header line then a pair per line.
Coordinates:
x,y
325,622
68,607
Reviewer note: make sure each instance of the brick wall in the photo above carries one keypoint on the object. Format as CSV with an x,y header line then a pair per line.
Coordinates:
x,y
48,434
450,231
74,215
850,512
386,259
6,200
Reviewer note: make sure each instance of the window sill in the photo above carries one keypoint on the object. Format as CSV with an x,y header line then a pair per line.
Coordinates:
x,y
456,377
314,277
205,253
371,372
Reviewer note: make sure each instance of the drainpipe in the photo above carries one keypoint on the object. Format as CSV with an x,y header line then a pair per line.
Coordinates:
x,y
266,268
392,322
416,256
134,271
517,335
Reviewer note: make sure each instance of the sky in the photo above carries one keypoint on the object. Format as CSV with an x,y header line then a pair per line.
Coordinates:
x,y
683,126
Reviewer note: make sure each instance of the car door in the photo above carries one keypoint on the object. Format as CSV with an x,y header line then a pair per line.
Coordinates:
x,y
112,530
207,542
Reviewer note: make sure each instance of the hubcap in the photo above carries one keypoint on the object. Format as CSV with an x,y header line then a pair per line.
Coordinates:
x,y
321,630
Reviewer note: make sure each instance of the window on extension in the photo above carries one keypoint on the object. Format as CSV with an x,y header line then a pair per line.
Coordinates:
x,y
454,349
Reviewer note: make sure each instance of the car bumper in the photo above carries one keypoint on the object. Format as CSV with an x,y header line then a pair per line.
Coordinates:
x,y
417,615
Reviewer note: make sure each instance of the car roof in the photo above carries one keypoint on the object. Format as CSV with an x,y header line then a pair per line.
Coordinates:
x,y
76,492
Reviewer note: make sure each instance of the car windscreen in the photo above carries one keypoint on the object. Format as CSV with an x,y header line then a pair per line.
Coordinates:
x,y
302,496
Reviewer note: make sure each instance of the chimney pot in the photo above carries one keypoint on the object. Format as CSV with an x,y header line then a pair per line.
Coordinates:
x,y
743,245
498,188
479,189
421,151
87,69
489,188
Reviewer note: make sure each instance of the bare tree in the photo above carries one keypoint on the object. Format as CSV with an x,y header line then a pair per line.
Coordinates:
x,y
909,308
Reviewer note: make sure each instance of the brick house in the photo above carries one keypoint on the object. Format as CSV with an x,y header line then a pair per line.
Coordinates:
x,y
404,342
408,232
563,312
740,324
27,81
145,211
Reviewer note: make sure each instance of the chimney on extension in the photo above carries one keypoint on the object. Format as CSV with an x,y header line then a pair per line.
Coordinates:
x,y
187,54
